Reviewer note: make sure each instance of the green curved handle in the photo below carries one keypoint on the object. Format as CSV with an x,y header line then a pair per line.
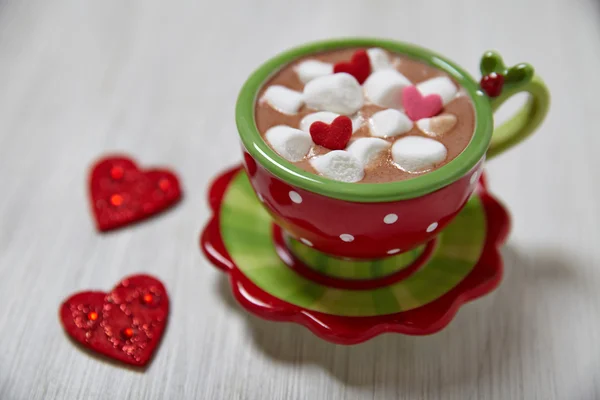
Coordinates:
x,y
525,121
501,83
528,118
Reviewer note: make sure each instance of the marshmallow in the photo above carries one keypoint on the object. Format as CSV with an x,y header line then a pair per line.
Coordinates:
x,y
327,117
441,85
357,122
311,69
415,153
339,93
290,143
282,99
379,59
389,123
384,88
437,126
339,165
367,149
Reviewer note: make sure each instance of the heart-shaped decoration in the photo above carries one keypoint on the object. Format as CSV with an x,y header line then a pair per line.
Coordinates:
x,y
334,136
359,66
125,324
418,106
122,194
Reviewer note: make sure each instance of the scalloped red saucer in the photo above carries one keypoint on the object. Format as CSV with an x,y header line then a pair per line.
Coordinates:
x,y
421,297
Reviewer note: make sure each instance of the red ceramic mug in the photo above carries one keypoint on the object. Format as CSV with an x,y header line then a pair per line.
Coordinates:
x,y
367,221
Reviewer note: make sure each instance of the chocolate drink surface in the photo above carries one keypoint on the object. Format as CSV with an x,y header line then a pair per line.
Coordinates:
x,y
364,115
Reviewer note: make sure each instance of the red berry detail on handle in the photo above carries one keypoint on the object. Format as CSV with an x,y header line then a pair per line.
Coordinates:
x,y
492,84
334,136
359,66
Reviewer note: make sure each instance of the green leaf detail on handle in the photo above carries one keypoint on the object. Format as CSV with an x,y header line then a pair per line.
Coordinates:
x,y
519,74
513,77
492,62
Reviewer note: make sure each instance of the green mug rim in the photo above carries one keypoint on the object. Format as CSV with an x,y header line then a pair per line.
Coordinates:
x,y
364,192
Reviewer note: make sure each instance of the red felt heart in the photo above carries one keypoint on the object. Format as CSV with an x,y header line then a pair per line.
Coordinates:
x,y
359,66
334,136
122,194
125,324
418,106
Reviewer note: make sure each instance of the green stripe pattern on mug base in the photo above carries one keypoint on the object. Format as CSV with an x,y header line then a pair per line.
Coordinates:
x,y
246,230
351,269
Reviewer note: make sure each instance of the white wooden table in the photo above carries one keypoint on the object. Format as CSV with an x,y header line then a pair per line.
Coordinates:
x,y
159,79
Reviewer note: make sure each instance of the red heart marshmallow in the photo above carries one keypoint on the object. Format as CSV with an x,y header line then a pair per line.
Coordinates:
x,y
359,66
334,136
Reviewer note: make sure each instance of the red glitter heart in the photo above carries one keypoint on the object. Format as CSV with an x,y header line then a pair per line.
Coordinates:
x,y
125,324
334,136
122,194
418,106
359,66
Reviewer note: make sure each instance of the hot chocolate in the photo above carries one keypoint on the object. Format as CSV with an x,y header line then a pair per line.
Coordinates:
x,y
364,115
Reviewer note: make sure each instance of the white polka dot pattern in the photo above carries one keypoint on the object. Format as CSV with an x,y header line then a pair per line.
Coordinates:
x,y
390,218
432,227
346,237
295,197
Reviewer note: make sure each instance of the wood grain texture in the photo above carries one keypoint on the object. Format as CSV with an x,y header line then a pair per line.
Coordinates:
x,y
159,79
